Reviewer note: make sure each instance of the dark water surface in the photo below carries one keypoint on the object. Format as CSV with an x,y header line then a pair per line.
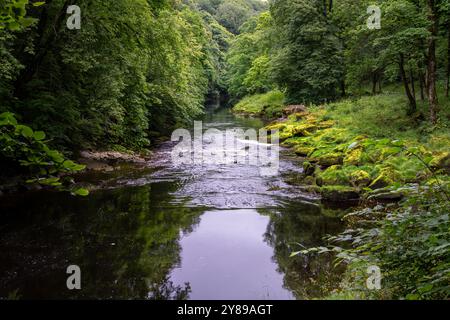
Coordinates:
x,y
164,231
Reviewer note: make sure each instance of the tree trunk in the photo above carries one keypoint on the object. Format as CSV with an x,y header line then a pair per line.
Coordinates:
x,y
379,85
413,87
432,95
343,93
447,84
374,83
411,99
422,86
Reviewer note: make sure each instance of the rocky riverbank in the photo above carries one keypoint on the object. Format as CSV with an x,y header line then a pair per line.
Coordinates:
x,y
342,165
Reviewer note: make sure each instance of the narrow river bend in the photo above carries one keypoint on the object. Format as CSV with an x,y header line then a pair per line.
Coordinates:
x,y
171,232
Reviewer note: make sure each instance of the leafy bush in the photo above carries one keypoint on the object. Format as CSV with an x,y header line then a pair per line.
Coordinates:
x,y
411,246
410,243
23,150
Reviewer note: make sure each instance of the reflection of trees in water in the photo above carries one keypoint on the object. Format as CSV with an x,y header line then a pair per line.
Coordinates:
x,y
167,291
126,241
306,276
146,248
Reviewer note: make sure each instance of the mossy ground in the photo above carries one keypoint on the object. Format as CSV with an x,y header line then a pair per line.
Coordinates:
x,y
361,145
268,105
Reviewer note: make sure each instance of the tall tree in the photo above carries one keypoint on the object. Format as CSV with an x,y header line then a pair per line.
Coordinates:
x,y
432,62
308,63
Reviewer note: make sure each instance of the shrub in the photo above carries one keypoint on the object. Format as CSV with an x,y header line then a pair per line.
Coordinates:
x,y
25,151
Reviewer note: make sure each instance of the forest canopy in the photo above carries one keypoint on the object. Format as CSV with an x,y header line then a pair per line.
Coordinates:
x,y
322,50
111,83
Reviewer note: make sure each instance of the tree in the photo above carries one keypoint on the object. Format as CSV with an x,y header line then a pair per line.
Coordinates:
x,y
13,14
112,82
249,58
432,64
232,14
308,62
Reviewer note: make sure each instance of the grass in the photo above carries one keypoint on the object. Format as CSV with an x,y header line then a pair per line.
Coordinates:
x,y
269,105
384,116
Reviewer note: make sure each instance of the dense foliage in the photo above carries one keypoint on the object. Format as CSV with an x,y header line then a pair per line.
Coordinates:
x,y
43,165
410,244
232,14
134,69
317,51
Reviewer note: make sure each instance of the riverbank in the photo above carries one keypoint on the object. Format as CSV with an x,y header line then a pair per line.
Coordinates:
x,y
368,149
364,148
88,160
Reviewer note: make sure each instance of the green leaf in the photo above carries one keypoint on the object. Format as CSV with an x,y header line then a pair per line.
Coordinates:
x,y
80,192
14,26
413,296
72,166
52,181
27,132
39,135
8,118
26,22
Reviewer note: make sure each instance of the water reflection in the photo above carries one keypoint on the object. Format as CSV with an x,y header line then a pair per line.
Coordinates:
x,y
125,242
131,243
292,228
227,258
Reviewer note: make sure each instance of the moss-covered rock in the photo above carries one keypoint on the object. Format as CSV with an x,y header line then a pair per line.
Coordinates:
x,y
297,130
333,176
308,168
326,124
386,178
300,115
309,180
360,178
334,135
297,141
406,168
354,157
339,193
441,161
330,159
276,126
303,151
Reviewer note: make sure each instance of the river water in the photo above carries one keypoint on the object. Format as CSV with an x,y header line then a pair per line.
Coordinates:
x,y
171,231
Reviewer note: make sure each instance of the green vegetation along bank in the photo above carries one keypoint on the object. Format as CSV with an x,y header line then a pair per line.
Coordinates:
x,y
396,167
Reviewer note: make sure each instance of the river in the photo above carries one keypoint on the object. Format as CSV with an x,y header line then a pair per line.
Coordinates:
x,y
165,231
